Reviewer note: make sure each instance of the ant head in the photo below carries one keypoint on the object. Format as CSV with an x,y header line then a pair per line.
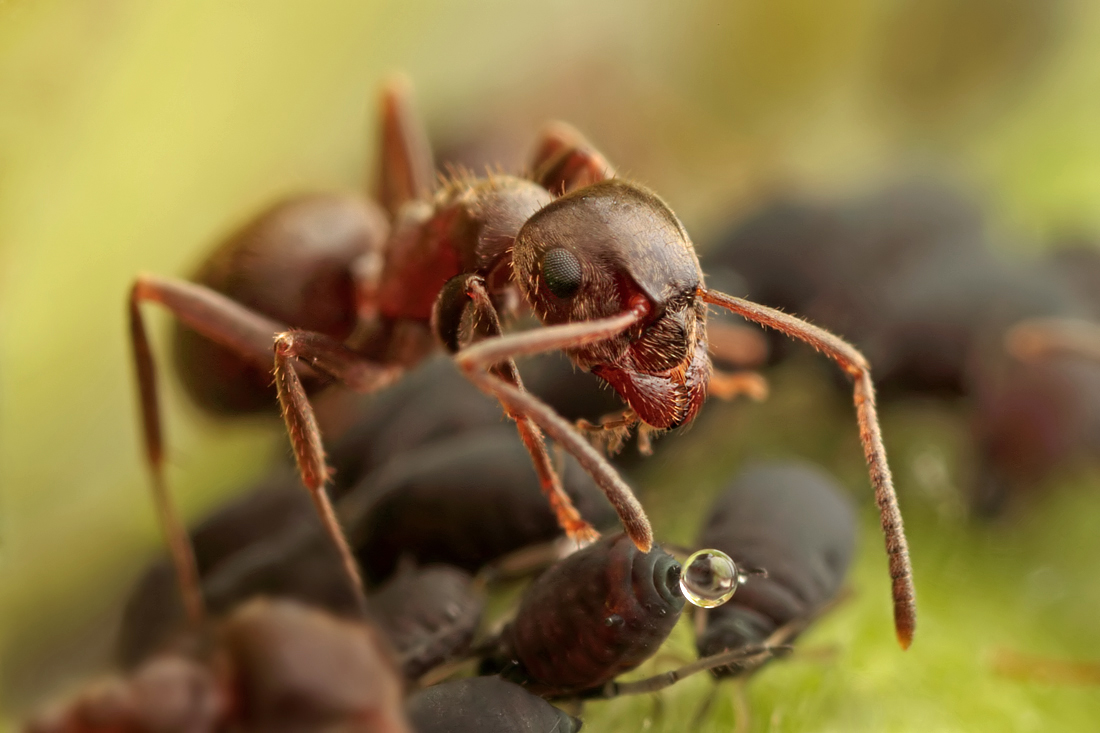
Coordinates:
x,y
598,252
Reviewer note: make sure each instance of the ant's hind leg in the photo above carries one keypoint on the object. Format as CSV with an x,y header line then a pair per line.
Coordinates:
x,y
564,160
212,314
251,336
406,171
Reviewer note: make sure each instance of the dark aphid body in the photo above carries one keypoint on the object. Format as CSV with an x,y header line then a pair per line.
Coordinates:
x,y
907,273
795,522
485,705
465,501
429,615
293,263
271,666
600,612
1031,419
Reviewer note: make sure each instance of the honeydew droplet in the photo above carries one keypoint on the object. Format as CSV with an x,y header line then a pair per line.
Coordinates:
x,y
710,578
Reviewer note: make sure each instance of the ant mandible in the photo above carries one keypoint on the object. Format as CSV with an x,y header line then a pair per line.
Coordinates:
x,y
603,263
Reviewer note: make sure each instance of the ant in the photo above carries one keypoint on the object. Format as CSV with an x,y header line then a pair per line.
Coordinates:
x,y
603,263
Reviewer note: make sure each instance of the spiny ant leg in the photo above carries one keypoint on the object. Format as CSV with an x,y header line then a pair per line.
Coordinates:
x,y
736,345
564,160
406,171
727,385
610,434
224,321
1038,337
331,357
870,434
250,336
477,360
471,289
175,532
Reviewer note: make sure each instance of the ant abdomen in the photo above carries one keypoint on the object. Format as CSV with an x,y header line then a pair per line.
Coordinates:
x,y
600,612
294,264
793,520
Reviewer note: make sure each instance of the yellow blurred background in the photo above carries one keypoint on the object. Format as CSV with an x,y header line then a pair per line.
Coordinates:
x,y
134,134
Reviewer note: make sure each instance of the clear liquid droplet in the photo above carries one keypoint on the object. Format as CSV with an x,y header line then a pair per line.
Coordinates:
x,y
710,578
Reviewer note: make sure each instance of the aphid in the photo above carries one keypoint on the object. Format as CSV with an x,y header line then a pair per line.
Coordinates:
x,y
793,520
605,266
272,666
598,613
485,705
907,273
1036,412
465,501
429,614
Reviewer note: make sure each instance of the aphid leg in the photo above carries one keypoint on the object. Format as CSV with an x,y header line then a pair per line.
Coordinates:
x,y
855,365
736,345
744,659
564,160
406,170
335,359
1036,338
742,711
727,385
470,289
703,710
477,362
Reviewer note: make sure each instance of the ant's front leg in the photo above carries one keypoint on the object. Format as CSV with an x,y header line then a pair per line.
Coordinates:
x,y
855,365
740,346
478,362
250,336
469,290
1036,338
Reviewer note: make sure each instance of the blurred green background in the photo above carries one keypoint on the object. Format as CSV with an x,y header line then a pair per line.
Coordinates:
x,y
134,134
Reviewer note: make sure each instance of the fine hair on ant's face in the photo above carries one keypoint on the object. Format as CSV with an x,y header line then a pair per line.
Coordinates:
x,y
605,265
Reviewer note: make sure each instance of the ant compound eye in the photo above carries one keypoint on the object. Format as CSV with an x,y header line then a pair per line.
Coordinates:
x,y
562,271
710,578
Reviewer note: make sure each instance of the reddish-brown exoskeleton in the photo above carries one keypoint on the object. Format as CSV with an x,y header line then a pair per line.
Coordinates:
x,y
603,263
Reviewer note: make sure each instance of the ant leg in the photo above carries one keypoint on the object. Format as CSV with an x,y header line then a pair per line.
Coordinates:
x,y
1038,337
406,171
251,337
727,385
741,346
611,432
870,434
333,358
564,160
247,333
464,289
478,360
